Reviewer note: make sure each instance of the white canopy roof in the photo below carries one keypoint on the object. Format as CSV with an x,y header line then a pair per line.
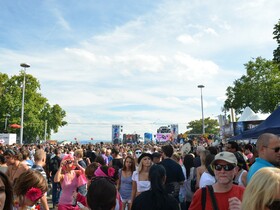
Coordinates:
x,y
249,115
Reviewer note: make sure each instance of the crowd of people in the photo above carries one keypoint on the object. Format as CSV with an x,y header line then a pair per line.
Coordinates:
x,y
107,176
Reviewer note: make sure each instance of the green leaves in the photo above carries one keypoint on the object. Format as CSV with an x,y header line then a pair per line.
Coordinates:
x,y
259,88
211,126
37,110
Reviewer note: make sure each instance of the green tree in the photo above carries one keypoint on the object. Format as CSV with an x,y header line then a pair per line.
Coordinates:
x,y
37,110
259,88
276,52
211,126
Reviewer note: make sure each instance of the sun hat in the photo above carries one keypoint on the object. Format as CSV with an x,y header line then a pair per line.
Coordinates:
x,y
144,155
226,156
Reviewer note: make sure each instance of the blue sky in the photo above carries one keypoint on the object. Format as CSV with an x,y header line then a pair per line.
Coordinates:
x,y
136,63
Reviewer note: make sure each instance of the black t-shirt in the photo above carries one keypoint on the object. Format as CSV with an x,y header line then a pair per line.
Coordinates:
x,y
174,172
147,201
117,163
54,164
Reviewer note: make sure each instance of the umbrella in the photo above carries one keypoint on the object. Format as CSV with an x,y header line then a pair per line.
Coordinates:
x,y
15,126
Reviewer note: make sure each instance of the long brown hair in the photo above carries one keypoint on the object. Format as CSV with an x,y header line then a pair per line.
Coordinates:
x,y
132,164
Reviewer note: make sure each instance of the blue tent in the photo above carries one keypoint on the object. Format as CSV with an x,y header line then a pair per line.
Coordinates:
x,y
270,125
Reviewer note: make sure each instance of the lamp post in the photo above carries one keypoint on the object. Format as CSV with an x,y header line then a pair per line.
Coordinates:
x,y
203,127
6,121
24,66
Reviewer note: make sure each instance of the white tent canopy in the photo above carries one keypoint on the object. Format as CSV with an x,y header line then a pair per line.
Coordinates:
x,y
249,115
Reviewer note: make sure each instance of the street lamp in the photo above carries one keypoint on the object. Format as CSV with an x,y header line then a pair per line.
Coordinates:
x,y
6,121
203,127
24,66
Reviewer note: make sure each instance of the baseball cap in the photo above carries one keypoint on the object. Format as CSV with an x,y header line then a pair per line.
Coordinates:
x,y
226,156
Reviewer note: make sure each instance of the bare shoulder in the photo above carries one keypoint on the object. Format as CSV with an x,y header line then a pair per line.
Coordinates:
x,y
23,167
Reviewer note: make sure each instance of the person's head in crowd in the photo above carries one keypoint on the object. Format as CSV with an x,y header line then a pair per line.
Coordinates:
x,y
108,152
29,188
263,191
248,148
124,155
101,194
40,156
68,163
137,153
188,162
199,149
2,150
12,156
268,147
232,146
90,169
6,192
106,171
57,151
156,157
213,150
2,159
144,161
79,154
130,153
25,154
167,151
208,163
103,150
115,152
203,155
176,157
99,159
157,176
129,164
224,165
241,163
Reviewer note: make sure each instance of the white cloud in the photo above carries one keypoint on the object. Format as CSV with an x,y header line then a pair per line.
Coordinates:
x,y
147,69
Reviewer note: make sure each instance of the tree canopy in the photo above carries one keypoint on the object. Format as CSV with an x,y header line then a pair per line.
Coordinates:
x,y
276,52
259,88
37,111
211,126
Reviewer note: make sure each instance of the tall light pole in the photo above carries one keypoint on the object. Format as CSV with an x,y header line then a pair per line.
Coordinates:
x,y
24,66
203,127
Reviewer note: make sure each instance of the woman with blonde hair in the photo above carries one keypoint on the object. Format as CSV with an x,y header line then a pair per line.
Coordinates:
x,y
29,188
263,190
140,177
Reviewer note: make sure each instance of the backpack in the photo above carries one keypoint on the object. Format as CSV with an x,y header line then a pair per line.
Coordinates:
x,y
193,181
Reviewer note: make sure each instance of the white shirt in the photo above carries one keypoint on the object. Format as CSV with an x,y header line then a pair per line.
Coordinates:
x,y
141,185
206,179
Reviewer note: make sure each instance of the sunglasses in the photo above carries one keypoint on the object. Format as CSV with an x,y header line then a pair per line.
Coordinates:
x,y
138,153
227,167
276,149
69,161
275,205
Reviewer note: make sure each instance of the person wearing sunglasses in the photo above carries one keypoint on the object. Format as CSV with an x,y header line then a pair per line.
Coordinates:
x,y
263,192
268,148
222,195
69,180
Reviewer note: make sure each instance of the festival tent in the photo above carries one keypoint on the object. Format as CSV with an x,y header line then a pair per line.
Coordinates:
x,y
270,125
248,115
